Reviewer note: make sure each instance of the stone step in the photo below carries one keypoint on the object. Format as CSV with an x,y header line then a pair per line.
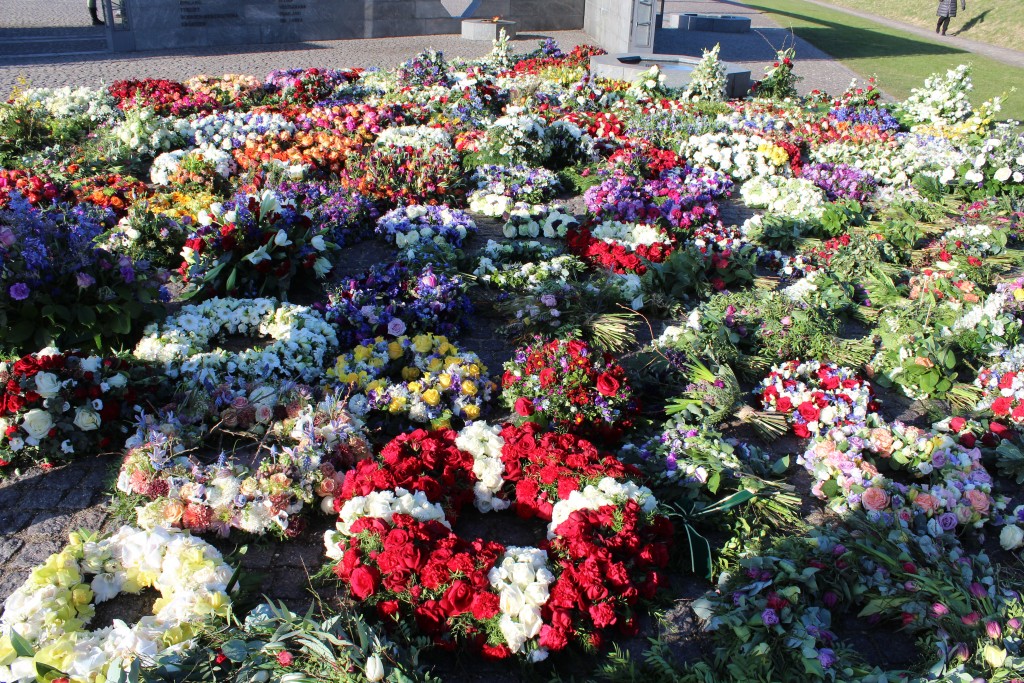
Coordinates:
x,y
46,46
52,32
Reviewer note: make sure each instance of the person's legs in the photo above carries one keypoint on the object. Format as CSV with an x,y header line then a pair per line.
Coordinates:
x,y
938,24
91,4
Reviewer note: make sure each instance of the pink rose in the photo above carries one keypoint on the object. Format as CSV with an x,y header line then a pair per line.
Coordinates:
x,y
979,500
927,502
875,499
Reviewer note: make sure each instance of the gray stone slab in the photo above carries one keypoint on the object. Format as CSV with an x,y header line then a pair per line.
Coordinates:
x,y
479,29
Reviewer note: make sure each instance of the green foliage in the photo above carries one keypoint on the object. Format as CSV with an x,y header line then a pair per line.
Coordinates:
x,y
339,648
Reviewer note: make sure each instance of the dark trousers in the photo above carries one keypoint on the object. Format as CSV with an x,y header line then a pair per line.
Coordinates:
x,y
942,25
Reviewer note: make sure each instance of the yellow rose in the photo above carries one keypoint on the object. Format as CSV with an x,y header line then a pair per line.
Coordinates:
x,y
375,362
415,387
397,404
444,347
395,351
452,360
422,343
374,385
434,365
82,595
471,412
445,380
1018,294
431,397
410,372
473,370
361,353
469,388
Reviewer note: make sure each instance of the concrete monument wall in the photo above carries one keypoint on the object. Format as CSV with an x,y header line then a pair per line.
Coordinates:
x,y
162,24
621,25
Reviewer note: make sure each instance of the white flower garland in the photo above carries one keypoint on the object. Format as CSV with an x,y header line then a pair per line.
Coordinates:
x,y
484,443
522,580
51,608
607,492
301,338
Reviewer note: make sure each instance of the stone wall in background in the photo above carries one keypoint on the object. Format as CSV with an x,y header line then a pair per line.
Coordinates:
x,y
621,25
165,24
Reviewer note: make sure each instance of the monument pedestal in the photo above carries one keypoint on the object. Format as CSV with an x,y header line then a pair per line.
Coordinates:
x,y
487,29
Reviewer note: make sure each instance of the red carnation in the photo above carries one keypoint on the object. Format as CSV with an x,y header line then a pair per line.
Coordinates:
x,y
957,423
1001,406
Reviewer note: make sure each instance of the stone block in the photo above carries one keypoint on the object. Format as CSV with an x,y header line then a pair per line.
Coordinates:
x,y
729,24
479,29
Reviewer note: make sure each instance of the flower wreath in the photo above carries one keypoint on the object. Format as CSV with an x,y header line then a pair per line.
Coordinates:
x,y
44,619
300,340
437,380
395,548
857,466
1002,387
816,396
317,441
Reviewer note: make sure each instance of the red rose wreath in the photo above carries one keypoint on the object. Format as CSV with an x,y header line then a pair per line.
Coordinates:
x,y
604,551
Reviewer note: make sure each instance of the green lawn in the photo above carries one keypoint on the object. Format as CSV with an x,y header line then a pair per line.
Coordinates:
x,y
900,60
997,22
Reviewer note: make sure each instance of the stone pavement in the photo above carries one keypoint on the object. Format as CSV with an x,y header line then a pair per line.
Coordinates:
x,y
754,50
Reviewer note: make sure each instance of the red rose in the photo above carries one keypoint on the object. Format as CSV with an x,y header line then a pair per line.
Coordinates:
x,y
524,406
364,581
967,440
784,404
607,385
388,608
957,423
1000,430
458,598
809,411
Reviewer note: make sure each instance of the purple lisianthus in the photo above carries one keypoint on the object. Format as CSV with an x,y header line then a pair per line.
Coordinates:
x,y
19,291
84,280
770,617
948,521
826,657
396,327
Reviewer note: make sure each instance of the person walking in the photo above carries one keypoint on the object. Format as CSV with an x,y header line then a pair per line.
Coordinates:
x,y
947,9
97,22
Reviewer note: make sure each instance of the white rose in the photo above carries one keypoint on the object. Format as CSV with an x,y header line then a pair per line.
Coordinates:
x,y
37,423
117,381
1011,537
1003,174
47,384
87,420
